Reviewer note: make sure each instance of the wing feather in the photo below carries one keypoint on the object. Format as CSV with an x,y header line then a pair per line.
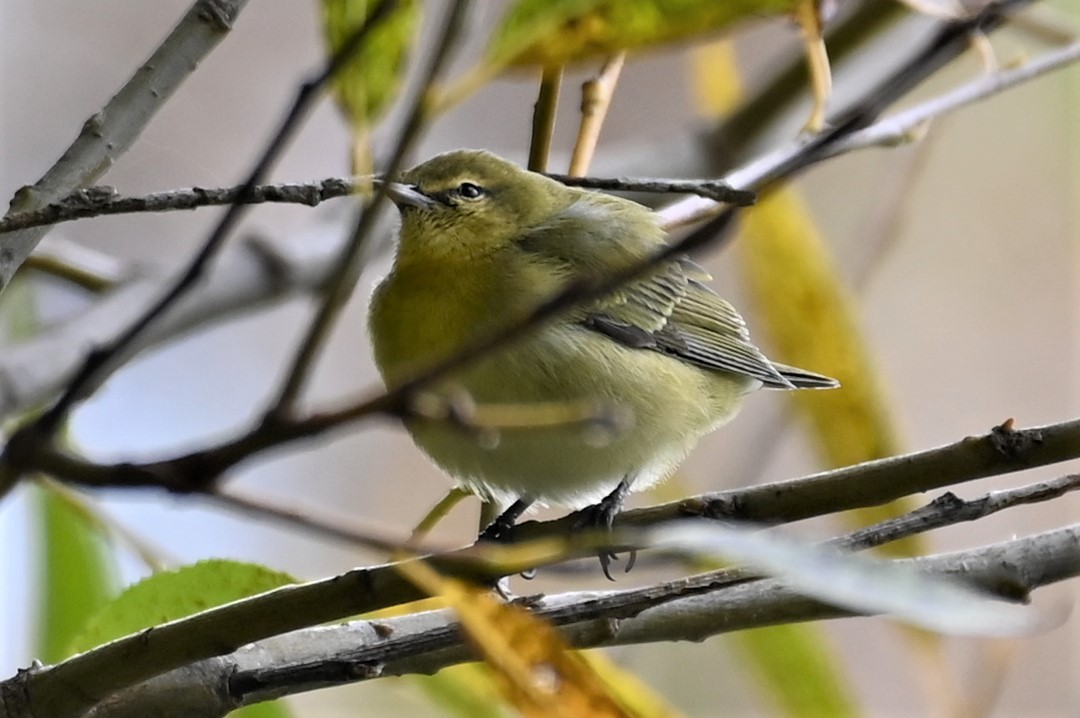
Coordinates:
x,y
671,310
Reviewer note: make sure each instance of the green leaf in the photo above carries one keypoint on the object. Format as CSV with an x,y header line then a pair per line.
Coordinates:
x,y
535,22
76,569
169,595
76,572
466,690
543,32
367,85
797,667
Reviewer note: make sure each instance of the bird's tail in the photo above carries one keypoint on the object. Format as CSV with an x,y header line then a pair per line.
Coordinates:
x,y
802,379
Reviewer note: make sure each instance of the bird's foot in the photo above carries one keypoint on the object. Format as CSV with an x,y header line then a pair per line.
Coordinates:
x,y
500,528
499,531
601,516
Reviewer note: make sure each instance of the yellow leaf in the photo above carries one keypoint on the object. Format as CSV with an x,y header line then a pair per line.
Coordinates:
x,y
532,666
717,88
809,320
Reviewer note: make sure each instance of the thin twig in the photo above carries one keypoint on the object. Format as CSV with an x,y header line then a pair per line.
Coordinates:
x,y
341,283
808,17
868,484
596,97
854,122
107,134
948,510
543,124
102,201
84,267
712,189
99,363
899,128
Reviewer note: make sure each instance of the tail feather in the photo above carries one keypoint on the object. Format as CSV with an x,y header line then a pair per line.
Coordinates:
x,y
803,379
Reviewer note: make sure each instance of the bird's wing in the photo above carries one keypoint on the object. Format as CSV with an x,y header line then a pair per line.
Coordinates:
x,y
673,313
669,311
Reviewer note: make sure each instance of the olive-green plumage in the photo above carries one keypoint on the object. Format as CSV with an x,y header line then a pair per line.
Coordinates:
x,y
482,243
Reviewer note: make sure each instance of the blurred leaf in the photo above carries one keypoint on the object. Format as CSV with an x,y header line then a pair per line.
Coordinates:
x,y
530,22
76,568
76,572
465,690
530,664
169,595
717,87
568,31
809,320
367,85
469,690
855,582
799,669
631,692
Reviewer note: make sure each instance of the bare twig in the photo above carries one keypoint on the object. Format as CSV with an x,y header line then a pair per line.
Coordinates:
x,y
951,40
102,201
712,189
899,128
948,510
97,202
543,124
87,268
110,132
808,16
340,284
596,97
248,276
100,362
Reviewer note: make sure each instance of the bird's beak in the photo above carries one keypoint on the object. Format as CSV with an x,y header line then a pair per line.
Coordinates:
x,y
404,195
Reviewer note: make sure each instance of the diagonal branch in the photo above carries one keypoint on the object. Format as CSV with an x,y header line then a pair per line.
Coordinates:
x,y
425,642
110,132
102,361
349,265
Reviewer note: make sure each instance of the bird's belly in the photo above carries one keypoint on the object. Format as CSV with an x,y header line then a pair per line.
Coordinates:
x,y
643,427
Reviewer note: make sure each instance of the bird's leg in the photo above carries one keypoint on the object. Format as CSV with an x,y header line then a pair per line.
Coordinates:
x,y
602,516
498,529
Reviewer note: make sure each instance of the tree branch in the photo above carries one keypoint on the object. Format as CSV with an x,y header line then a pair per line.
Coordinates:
x,y
110,132
101,362
104,201
426,642
349,265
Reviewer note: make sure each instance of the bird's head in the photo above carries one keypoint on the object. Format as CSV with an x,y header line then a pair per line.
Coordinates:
x,y
470,203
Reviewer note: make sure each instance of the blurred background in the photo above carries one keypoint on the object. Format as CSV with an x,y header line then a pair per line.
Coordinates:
x,y
968,312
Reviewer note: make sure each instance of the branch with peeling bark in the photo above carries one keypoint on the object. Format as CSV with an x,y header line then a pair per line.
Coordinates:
x,y
685,609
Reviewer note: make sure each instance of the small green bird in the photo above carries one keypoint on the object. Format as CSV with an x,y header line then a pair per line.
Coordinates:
x,y
482,243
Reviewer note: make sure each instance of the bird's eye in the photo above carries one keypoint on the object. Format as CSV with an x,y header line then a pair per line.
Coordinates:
x,y
469,191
